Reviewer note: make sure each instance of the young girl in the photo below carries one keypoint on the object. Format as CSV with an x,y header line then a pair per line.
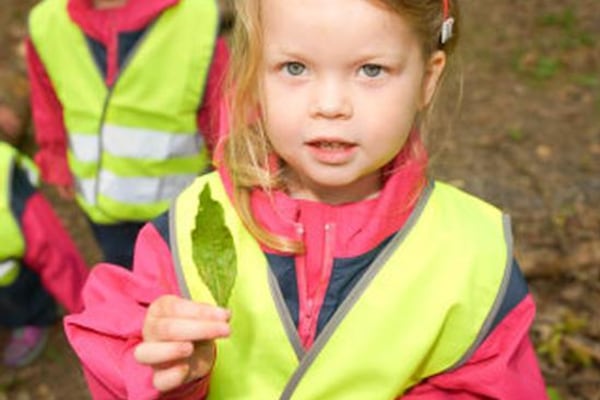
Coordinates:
x,y
124,93
346,273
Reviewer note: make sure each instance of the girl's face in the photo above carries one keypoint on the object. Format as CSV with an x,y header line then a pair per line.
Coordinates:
x,y
343,81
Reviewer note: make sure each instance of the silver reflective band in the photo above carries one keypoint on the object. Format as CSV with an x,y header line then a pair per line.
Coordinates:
x,y
87,189
148,144
142,190
34,176
6,267
85,147
133,190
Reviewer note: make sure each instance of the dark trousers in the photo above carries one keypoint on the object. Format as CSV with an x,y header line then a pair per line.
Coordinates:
x,y
26,302
117,241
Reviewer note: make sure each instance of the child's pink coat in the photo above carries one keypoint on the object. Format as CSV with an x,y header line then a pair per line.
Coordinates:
x,y
503,367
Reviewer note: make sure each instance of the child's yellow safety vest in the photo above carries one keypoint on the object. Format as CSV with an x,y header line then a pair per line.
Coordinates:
x,y
421,308
12,243
132,146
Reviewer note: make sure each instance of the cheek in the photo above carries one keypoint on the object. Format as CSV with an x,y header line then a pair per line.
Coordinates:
x,y
276,104
278,129
283,116
391,130
393,118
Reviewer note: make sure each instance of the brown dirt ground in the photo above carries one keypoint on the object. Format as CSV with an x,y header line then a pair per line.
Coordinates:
x,y
527,138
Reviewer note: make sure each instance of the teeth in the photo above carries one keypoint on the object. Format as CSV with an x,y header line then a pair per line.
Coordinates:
x,y
331,145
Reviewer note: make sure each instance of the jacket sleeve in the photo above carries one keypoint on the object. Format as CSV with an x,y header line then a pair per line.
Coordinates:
x,y
209,119
48,122
49,250
51,253
105,334
504,366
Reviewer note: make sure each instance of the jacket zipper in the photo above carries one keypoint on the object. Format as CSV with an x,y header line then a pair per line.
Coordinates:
x,y
311,303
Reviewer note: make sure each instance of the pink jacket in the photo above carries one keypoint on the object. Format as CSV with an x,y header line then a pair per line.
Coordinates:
x,y
51,253
104,26
503,367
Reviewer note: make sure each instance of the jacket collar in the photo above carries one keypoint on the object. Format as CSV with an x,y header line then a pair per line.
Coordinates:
x,y
360,226
103,24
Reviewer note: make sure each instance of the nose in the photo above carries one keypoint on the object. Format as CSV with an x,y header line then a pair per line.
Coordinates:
x,y
331,99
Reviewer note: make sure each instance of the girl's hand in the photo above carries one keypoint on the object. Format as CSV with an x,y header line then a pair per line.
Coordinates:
x,y
178,340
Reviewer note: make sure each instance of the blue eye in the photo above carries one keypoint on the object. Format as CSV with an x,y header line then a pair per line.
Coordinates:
x,y
371,70
294,68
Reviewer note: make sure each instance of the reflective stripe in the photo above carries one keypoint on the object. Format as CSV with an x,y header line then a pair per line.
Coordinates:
x,y
148,144
448,323
87,189
129,130
9,270
30,168
6,267
142,190
134,143
85,147
134,190
33,176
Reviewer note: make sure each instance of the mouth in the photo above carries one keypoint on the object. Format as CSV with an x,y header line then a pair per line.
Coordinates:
x,y
330,145
332,151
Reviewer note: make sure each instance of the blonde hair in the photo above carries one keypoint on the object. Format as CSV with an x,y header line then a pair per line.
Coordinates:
x,y
248,154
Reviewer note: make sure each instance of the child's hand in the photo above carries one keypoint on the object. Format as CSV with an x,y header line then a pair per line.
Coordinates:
x,y
179,340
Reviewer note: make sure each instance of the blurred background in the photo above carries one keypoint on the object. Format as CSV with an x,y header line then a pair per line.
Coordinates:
x,y
524,134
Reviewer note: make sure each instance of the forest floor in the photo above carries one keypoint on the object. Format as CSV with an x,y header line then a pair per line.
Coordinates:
x,y
526,137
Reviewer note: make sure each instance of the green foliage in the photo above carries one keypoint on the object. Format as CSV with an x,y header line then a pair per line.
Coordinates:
x,y
539,68
587,80
553,394
516,134
213,249
558,37
565,20
546,68
557,346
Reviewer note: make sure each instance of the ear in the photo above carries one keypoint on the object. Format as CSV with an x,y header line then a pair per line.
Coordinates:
x,y
433,71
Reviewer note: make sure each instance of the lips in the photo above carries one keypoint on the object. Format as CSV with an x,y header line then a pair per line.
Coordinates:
x,y
332,145
332,151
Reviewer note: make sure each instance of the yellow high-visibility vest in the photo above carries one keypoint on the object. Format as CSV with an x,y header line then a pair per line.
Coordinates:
x,y
132,146
12,243
420,309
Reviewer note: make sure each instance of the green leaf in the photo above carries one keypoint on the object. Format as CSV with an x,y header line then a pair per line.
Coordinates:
x,y
213,249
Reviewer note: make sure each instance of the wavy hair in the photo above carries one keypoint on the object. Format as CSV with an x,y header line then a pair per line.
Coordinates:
x,y
248,154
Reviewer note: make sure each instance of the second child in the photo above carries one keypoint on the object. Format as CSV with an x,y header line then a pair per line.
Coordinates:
x,y
124,96
39,263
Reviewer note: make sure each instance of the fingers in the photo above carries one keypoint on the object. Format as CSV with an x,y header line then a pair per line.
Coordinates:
x,y
173,306
167,379
178,339
175,319
175,364
184,330
154,353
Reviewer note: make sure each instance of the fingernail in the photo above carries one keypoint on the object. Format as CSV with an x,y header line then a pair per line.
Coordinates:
x,y
186,349
226,331
224,313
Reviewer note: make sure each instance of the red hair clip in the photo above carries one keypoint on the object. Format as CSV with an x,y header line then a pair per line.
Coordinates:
x,y
447,24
